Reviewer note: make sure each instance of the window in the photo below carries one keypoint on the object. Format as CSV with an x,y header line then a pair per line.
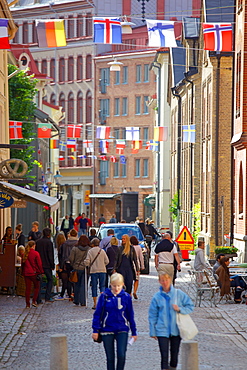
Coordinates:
x,y
124,134
70,27
89,24
125,107
79,107
241,191
79,25
44,66
104,110
138,105
116,133
71,108
117,78
116,107
53,99
104,172
89,67
145,107
137,168
146,73
125,75
145,135
145,167
70,69
238,84
61,70
123,170
116,169
53,69
25,33
88,107
138,73
104,79
79,67
61,102
34,31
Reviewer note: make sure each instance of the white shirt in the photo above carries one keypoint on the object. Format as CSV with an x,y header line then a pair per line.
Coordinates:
x,y
167,257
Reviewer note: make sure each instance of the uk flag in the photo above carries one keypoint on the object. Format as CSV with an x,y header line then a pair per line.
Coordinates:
x,y
107,30
217,36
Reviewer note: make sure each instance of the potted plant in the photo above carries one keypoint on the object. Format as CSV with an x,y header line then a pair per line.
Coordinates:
x,y
230,251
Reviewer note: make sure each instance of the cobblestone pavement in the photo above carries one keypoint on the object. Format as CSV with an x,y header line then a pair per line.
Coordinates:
x,y
25,334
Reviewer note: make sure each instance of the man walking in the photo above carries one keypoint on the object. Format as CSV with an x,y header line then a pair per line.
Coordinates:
x,y
45,248
83,225
200,264
106,242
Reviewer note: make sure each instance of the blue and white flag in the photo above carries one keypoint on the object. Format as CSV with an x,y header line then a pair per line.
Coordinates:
x,y
132,133
152,145
189,133
122,159
161,33
107,30
62,146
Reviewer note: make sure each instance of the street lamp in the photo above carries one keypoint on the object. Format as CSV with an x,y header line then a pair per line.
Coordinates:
x,y
57,179
115,65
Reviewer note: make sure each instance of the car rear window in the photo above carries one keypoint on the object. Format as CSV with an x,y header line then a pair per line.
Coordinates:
x,y
121,230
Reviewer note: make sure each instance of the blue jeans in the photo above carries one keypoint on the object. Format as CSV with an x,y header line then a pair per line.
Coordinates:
x,y
164,351
80,296
122,341
82,231
95,277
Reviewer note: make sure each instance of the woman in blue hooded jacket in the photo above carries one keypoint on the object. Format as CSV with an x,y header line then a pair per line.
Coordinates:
x,y
162,319
113,317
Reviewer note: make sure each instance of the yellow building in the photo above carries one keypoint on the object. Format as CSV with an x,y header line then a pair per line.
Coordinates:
x,y
4,104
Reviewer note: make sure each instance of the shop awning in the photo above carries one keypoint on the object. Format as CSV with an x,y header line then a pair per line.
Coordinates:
x,y
103,196
29,195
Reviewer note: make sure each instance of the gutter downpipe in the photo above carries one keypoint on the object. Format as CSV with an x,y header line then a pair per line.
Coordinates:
x,y
191,152
175,93
154,65
217,122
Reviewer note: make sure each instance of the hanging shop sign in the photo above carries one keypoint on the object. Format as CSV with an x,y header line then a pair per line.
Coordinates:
x,y
5,200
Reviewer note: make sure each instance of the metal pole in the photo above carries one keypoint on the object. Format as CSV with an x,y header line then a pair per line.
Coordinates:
x,y
217,122
222,219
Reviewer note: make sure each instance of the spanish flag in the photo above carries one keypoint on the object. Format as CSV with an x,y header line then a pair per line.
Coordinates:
x,y
51,33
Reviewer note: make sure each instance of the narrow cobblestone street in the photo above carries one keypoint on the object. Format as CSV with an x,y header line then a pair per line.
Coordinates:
x,y
25,334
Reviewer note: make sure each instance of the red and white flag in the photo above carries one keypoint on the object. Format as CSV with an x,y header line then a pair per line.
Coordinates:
x,y
15,130
160,133
113,158
104,146
103,132
120,146
103,157
4,39
87,143
217,36
71,144
74,131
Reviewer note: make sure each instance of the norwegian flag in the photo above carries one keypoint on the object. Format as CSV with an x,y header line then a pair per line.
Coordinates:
x,y
107,30
120,146
103,157
132,133
113,158
74,131
217,36
104,146
87,143
103,132
15,130
71,144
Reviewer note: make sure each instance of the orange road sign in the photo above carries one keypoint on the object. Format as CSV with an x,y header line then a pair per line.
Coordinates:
x,y
185,239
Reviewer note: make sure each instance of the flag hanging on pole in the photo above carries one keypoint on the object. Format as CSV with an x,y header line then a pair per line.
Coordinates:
x,y
54,144
161,33
217,36
62,146
15,128
103,132
189,133
4,39
104,146
120,146
71,143
74,131
160,133
44,130
51,33
103,157
107,30
113,159
122,159
152,145
132,133
136,144
87,143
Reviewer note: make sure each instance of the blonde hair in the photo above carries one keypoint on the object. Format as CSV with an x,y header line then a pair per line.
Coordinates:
x,y
20,250
116,278
114,241
126,250
161,274
29,245
35,223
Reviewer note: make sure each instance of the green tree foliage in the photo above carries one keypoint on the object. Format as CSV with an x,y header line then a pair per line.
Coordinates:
x,y
173,207
21,108
196,211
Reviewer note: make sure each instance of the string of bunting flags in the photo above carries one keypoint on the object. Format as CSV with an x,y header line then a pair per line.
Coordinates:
x,y
108,30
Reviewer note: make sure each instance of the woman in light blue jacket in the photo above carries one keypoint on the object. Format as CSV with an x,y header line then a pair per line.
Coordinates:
x,y
162,319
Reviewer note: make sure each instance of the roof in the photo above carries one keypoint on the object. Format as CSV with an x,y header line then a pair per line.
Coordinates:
x,y
29,195
191,27
178,62
219,11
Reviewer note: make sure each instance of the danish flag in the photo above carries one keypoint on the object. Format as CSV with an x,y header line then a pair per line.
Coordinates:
x,y
217,36
15,130
74,131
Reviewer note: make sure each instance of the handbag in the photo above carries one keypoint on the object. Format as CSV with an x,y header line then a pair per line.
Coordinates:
x,y
187,327
73,277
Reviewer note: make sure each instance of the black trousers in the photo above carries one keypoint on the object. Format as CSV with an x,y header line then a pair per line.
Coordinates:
x,y
164,343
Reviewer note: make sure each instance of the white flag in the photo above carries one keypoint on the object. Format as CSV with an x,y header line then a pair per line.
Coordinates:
x,y
161,33
132,133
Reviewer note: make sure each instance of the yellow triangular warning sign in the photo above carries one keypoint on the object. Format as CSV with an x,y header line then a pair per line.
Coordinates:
x,y
185,236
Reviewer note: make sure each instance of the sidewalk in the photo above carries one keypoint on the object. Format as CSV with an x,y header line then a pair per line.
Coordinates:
x,y
25,334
